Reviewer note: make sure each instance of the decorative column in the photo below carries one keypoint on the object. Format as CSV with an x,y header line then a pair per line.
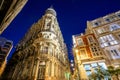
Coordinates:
x,y
82,72
48,71
37,67
52,70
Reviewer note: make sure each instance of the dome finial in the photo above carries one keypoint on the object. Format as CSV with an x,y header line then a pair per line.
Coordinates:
x,y
51,10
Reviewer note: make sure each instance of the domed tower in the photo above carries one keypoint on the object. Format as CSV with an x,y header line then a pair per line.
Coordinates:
x,y
42,53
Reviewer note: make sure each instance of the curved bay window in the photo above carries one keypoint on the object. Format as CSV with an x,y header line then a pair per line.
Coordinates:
x,y
44,49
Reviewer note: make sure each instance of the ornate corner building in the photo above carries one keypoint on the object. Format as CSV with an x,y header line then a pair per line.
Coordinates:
x,y
5,48
41,54
8,11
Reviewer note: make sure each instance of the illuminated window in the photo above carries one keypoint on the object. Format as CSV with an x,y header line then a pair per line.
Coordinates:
x,y
95,51
42,63
113,42
80,42
102,64
88,73
87,67
44,49
41,72
107,40
90,39
101,30
114,27
115,52
90,67
83,54
94,65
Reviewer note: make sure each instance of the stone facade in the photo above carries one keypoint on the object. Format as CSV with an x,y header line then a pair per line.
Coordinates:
x,y
42,53
107,32
100,45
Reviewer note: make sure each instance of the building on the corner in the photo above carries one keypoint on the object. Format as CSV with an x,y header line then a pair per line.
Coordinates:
x,y
107,32
5,48
41,54
87,55
8,11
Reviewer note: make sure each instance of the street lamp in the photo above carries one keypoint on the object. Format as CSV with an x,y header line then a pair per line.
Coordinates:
x,y
76,50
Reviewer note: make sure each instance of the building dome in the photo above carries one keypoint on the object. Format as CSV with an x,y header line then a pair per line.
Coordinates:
x,y
51,11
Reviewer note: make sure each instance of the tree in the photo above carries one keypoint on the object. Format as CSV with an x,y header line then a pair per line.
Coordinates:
x,y
93,76
114,71
98,73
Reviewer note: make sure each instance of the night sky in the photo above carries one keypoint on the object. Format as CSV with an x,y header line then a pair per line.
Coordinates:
x,y
71,15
